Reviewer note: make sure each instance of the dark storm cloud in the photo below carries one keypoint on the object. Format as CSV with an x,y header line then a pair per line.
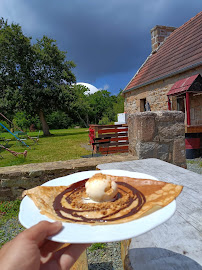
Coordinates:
x,y
101,37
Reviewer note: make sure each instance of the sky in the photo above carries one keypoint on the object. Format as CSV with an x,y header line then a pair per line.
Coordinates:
x,y
108,40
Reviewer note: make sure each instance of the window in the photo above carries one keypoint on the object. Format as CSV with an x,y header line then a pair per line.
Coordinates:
x,y
180,104
142,105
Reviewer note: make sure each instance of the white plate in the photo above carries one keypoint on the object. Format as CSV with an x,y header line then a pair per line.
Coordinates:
x,y
29,215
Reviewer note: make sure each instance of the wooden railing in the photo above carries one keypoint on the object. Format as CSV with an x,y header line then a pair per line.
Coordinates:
x,y
118,138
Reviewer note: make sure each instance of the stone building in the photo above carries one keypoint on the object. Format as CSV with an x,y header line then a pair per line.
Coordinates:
x,y
170,77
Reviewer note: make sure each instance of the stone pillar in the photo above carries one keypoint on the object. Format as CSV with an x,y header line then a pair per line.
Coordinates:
x,y
159,135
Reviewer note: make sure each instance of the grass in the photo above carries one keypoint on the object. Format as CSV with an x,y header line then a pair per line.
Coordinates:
x,y
195,161
64,144
8,209
97,246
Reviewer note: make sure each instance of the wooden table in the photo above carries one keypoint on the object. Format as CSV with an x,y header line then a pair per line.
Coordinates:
x,y
177,243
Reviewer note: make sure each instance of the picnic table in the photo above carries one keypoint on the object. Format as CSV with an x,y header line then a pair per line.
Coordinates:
x,y
177,243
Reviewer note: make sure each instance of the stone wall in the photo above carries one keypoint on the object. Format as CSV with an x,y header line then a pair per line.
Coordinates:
x,y
158,135
155,93
15,179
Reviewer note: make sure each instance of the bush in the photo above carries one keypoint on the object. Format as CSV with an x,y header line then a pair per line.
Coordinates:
x,y
58,120
20,120
24,121
105,121
35,120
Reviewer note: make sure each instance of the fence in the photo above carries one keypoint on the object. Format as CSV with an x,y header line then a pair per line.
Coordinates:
x,y
118,135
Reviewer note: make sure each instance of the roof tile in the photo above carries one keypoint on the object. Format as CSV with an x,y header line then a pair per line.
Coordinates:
x,y
183,48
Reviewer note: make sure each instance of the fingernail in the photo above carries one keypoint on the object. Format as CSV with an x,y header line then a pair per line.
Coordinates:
x,y
58,223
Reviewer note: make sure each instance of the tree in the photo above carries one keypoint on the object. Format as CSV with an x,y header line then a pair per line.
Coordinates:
x,y
118,106
98,108
50,80
34,78
15,59
79,106
100,103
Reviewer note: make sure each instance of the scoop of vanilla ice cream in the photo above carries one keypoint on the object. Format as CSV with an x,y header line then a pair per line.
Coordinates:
x,y
100,188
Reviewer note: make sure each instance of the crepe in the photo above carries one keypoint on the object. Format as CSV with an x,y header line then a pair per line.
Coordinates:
x,y
135,198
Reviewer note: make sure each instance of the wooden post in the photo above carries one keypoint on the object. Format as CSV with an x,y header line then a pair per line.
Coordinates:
x,y
188,109
81,263
125,244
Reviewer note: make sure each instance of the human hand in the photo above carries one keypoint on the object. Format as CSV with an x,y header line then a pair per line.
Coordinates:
x,y
30,250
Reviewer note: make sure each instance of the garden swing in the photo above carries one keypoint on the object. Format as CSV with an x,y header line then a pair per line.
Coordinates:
x,y
34,139
14,152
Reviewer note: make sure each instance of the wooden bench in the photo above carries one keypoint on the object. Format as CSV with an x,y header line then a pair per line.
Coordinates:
x,y
118,138
99,143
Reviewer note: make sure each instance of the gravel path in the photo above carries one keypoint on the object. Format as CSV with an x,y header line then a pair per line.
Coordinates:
x,y
107,258
9,230
195,165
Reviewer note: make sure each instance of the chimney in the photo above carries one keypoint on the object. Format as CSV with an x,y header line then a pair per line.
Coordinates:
x,y
158,35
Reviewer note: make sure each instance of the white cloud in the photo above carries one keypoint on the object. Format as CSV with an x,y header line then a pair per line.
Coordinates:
x,y
105,87
91,87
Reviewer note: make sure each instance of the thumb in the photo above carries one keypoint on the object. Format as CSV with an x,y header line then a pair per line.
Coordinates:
x,y
42,230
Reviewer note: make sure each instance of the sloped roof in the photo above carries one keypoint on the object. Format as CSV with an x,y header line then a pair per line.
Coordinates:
x,y
180,51
183,85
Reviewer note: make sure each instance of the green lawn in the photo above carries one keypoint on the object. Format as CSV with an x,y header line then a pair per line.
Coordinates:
x,y
64,144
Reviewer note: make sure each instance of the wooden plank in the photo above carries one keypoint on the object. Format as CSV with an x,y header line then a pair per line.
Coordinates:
x,y
81,263
112,130
101,140
107,126
193,129
113,149
114,152
124,252
114,135
112,144
119,139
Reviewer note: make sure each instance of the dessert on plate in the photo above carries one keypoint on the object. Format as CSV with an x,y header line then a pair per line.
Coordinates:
x,y
103,199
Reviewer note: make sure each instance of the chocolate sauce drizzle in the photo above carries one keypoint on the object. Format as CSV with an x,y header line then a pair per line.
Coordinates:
x,y
76,214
